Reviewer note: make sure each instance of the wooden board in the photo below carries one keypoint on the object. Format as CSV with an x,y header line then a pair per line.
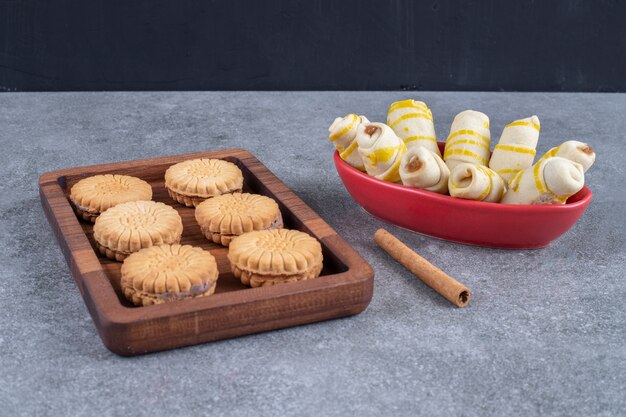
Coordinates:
x,y
344,287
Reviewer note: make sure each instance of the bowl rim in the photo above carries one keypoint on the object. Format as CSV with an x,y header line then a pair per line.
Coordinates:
x,y
584,195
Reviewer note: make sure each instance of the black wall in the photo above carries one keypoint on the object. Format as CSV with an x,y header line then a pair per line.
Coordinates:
x,y
312,45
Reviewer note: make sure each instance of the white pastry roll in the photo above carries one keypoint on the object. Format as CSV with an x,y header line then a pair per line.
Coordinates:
x,y
475,182
575,151
516,149
381,150
413,123
342,134
422,168
469,139
549,181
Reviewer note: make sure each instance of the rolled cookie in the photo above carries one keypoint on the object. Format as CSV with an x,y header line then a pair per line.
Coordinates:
x,y
422,168
516,149
575,151
550,181
475,182
381,150
342,133
469,139
413,123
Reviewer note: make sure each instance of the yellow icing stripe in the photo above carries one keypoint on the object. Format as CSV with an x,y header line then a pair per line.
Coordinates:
x,y
522,123
486,125
518,149
502,188
466,153
349,150
428,138
485,193
486,170
515,181
451,144
393,174
453,184
487,190
346,129
382,154
410,104
551,153
469,133
507,171
410,116
538,182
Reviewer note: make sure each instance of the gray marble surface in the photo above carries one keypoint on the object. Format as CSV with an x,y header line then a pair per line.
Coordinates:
x,y
544,334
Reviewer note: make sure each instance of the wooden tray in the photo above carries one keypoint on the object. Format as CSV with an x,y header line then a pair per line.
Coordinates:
x,y
344,287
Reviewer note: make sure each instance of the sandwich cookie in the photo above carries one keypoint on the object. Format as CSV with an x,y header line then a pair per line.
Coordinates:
x,y
191,182
166,273
277,256
94,195
129,227
227,216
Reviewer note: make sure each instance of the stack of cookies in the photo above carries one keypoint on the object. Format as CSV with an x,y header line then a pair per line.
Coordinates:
x,y
145,235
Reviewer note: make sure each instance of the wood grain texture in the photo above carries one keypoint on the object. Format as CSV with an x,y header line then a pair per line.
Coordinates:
x,y
344,287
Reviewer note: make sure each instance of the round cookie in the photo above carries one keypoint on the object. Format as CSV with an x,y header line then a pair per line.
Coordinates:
x,y
270,257
191,182
94,195
166,273
227,216
129,227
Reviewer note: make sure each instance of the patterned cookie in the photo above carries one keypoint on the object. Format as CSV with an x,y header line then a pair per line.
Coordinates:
x,y
166,273
94,195
227,216
270,257
129,227
191,182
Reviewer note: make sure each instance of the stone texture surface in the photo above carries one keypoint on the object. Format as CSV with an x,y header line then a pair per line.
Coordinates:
x,y
544,334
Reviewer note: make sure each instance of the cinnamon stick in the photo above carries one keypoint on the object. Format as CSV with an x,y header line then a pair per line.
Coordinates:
x,y
452,290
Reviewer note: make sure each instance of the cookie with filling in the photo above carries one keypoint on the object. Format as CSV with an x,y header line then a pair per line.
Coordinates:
x,y
130,227
94,195
276,256
227,216
167,273
191,182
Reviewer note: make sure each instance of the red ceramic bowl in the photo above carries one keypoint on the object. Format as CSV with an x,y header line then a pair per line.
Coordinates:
x,y
463,221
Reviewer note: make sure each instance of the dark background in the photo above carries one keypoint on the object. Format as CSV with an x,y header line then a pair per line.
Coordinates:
x,y
312,45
